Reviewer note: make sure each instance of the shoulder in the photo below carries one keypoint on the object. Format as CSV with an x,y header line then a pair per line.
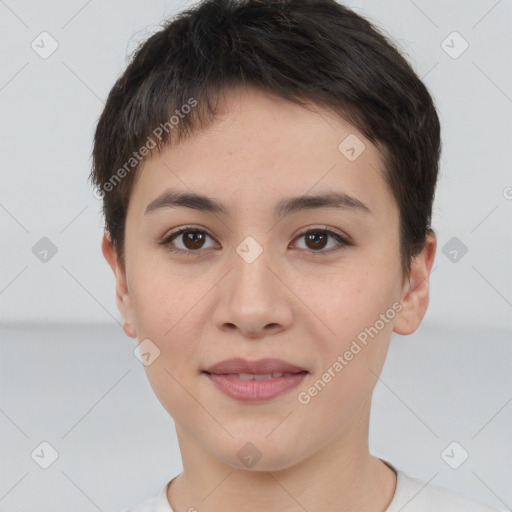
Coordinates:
x,y
158,503
414,495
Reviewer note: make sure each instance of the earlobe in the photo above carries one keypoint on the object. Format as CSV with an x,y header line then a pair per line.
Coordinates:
x,y
415,291
123,300
128,326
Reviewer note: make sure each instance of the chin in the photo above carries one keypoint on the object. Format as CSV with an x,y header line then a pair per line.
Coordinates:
x,y
263,455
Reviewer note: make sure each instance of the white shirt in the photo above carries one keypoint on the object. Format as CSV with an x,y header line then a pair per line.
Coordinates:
x,y
418,496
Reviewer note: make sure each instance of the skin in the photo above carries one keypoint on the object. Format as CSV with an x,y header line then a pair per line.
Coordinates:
x,y
296,301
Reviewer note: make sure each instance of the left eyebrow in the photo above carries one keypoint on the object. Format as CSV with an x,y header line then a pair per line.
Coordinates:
x,y
341,200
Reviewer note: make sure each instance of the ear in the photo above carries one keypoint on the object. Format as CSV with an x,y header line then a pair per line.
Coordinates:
x,y
123,299
415,290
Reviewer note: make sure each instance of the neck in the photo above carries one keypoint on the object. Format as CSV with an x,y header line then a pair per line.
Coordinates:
x,y
342,475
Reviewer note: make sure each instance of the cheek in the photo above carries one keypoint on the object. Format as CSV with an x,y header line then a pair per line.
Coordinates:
x,y
357,309
163,299
352,355
350,300
165,314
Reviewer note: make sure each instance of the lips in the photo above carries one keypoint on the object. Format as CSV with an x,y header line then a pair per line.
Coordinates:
x,y
255,381
261,367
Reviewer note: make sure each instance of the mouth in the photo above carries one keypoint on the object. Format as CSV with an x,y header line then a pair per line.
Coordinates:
x,y
256,376
267,366
255,381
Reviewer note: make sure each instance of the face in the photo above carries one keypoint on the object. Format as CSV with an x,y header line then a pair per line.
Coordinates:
x,y
304,285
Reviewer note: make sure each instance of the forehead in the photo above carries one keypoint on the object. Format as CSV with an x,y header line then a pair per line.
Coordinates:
x,y
261,148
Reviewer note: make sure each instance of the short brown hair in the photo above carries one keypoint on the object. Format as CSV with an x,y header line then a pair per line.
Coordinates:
x,y
316,50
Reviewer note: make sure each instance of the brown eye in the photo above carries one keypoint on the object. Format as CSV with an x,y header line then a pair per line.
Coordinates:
x,y
193,240
190,239
317,239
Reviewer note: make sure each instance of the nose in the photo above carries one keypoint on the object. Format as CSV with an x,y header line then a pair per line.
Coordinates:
x,y
254,298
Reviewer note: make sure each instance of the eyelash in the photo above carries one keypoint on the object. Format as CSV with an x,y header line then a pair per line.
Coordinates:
x,y
166,242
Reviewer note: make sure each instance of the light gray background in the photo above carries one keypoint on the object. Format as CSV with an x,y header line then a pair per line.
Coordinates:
x,y
68,373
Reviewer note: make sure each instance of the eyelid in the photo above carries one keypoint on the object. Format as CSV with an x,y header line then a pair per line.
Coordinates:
x,y
342,239
345,238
